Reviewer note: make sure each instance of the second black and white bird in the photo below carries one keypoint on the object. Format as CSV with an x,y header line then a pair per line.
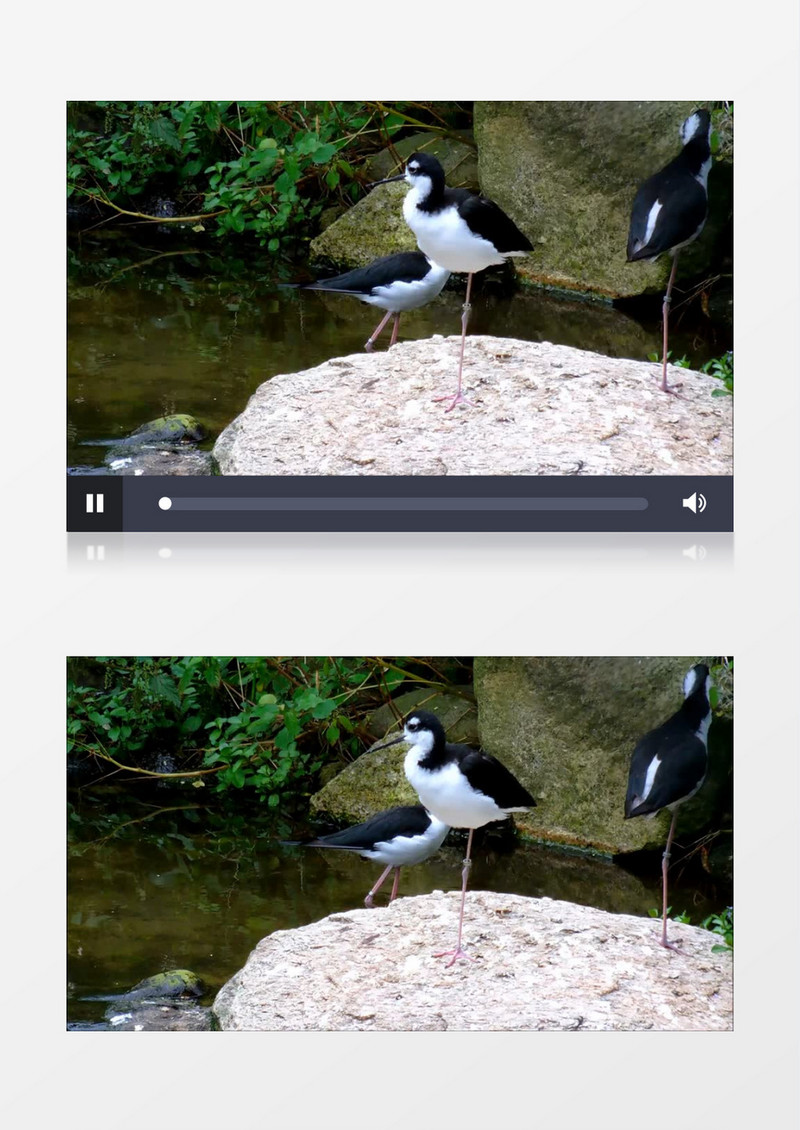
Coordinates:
x,y
398,837
670,208
669,765
463,787
394,283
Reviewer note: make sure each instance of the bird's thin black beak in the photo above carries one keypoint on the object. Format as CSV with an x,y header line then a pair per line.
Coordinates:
x,y
388,180
394,741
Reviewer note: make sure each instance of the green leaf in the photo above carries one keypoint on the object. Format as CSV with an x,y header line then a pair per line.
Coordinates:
x,y
323,154
162,131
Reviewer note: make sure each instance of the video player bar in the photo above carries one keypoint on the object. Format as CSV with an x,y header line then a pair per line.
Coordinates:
x,y
382,503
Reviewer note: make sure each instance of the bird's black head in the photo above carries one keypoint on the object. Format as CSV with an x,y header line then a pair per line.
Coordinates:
x,y
420,728
422,720
697,127
422,172
697,677
423,165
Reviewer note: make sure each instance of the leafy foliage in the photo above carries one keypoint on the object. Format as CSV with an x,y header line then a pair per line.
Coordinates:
x,y
721,924
719,367
259,168
266,724
721,694
722,369
684,916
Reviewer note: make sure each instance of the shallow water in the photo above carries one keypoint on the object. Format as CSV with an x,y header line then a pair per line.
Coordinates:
x,y
179,331
173,892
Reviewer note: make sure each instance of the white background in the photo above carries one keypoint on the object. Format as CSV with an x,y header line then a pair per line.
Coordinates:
x,y
405,594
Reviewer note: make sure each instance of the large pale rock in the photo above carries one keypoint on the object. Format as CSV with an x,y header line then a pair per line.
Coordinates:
x,y
542,409
539,965
567,727
567,173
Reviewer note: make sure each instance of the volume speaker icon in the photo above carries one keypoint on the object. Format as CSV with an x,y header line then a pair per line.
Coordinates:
x,y
695,502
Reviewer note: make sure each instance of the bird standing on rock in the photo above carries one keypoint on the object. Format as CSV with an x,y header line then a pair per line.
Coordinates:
x,y
394,283
460,229
671,207
669,765
464,787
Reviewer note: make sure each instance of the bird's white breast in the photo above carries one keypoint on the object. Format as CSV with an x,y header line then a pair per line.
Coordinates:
x,y
444,237
447,794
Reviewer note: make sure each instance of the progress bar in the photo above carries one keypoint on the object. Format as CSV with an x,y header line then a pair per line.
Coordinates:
x,y
189,502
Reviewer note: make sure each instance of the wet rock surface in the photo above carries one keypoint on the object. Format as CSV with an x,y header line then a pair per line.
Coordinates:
x,y
539,964
541,409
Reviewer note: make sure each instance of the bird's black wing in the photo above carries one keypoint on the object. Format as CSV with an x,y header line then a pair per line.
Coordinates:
x,y
405,820
489,776
405,266
488,220
683,762
678,220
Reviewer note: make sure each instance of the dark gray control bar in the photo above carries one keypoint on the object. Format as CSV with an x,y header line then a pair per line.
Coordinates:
x,y
363,503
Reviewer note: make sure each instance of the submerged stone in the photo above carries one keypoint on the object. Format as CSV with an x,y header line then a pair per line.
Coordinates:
x,y
173,983
177,428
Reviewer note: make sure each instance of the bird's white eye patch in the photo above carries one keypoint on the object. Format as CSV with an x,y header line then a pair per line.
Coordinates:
x,y
412,168
690,127
690,682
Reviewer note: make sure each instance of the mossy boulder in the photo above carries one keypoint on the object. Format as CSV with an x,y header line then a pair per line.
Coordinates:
x,y
373,782
567,173
457,713
458,158
567,727
173,983
177,428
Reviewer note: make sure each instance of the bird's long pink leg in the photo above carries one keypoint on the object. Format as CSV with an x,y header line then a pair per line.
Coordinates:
x,y
376,333
664,870
394,330
376,888
665,319
455,954
395,885
459,398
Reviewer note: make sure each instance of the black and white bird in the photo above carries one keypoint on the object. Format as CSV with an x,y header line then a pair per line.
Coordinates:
x,y
670,207
463,787
455,227
669,765
399,837
394,283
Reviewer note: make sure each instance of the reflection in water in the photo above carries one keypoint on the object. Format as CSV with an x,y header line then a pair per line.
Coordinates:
x,y
178,334
175,895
